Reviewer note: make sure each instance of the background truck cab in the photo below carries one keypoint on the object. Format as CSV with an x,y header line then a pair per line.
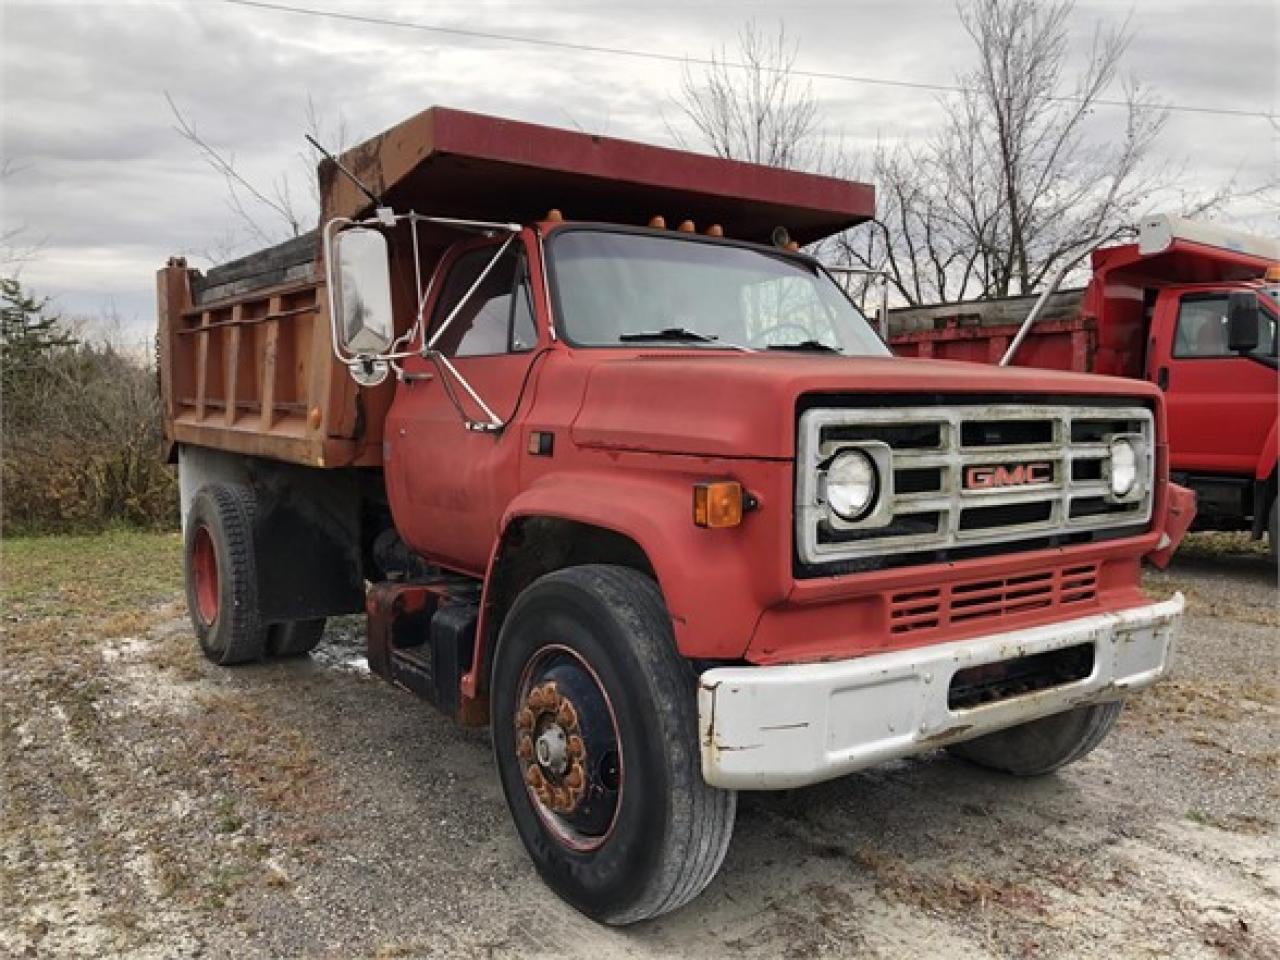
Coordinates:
x,y
1162,310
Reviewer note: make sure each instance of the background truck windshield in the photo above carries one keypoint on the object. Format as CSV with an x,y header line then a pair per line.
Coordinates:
x,y
615,288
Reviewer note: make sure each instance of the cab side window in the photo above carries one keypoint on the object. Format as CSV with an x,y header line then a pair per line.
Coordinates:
x,y
498,316
1202,329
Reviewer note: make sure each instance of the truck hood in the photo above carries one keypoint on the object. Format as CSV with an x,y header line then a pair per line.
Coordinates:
x,y
744,405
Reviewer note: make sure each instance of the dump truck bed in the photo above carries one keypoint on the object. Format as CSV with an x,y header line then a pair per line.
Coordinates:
x,y
980,331
246,363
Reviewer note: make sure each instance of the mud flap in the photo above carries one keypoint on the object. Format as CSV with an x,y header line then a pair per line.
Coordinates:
x,y
1182,510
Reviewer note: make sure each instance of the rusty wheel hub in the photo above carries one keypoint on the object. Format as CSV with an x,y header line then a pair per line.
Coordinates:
x,y
567,745
551,748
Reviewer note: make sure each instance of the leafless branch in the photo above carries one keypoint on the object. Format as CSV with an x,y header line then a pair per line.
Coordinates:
x,y
277,203
751,107
16,246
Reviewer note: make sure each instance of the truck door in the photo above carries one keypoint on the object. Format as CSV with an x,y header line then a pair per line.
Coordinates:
x,y
1220,406
449,485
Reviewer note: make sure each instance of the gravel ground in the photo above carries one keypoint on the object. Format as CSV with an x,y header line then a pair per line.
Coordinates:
x,y
156,806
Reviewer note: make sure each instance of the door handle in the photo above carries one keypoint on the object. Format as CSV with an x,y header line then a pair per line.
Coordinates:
x,y
1162,378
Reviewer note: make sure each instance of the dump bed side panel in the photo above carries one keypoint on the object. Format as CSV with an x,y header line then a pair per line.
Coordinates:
x,y
246,364
1063,338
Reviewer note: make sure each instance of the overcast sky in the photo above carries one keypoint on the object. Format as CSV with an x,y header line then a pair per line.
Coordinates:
x,y
111,191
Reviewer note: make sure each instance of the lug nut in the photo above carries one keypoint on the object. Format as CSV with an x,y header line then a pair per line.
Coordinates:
x,y
566,716
525,750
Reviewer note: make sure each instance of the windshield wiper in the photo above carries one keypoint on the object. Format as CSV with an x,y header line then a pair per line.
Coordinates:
x,y
674,334
815,345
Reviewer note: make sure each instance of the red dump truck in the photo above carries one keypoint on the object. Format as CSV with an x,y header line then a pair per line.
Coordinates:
x,y
613,468
1190,307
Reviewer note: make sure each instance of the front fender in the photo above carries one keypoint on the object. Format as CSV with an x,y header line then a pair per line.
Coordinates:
x,y
1266,465
1179,513
715,582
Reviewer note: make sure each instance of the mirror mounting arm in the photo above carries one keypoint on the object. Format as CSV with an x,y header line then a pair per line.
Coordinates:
x,y
362,365
494,424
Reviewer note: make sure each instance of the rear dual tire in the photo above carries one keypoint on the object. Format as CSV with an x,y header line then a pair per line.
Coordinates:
x,y
617,817
222,583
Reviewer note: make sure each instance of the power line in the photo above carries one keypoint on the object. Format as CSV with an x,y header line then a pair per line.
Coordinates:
x,y
700,61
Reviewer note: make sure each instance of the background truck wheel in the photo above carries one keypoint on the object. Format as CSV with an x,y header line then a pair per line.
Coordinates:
x,y
595,733
1042,746
222,585
294,639
1273,531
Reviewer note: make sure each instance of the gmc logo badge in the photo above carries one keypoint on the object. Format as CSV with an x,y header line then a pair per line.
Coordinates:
x,y
1017,475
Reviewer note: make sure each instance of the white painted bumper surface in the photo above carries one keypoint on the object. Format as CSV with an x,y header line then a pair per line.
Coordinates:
x,y
769,728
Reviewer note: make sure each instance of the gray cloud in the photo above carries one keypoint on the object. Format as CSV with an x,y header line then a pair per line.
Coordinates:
x,y
115,191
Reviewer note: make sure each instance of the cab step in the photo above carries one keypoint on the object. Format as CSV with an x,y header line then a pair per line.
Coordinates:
x,y
421,636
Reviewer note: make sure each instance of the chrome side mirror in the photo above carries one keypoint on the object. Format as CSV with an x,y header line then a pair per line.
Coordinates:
x,y
363,295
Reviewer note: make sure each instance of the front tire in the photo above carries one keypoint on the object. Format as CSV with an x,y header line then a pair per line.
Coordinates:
x,y
222,579
1042,746
595,734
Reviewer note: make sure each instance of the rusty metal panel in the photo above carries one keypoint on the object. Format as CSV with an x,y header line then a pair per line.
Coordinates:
x,y
253,373
458,164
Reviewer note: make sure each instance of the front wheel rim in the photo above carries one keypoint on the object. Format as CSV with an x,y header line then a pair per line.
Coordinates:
x,y
568,748
204,568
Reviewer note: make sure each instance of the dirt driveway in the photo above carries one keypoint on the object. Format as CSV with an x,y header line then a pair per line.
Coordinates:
x,y
155,806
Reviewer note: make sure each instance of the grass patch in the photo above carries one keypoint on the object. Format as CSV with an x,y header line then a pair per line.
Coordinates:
x,y
1214,543
106,573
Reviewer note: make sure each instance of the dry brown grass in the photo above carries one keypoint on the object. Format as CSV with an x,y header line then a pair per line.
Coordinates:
x,y
1215,543
1203,605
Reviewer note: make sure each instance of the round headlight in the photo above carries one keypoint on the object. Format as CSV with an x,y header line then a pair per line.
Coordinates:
x,y
852,484
1124,467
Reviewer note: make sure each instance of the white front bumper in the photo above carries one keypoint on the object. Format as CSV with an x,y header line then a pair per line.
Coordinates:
x,y
768,728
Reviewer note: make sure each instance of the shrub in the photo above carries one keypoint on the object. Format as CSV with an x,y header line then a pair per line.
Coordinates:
x,y
81,439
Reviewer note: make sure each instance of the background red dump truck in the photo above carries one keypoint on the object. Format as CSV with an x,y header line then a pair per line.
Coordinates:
x,y
1190,307
614,469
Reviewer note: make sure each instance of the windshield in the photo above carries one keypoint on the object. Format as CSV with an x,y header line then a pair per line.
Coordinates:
x,y
618,288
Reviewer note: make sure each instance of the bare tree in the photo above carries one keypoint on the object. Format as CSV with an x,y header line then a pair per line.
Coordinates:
x,y
750,106
16,245
1022,178
266,214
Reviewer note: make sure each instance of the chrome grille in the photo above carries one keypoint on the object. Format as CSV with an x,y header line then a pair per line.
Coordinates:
x,y
1048,466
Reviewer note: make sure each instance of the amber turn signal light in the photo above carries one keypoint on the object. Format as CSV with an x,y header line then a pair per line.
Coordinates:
x,y
718,504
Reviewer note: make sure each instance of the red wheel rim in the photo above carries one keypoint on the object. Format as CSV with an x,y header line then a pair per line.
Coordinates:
x,y
204,566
